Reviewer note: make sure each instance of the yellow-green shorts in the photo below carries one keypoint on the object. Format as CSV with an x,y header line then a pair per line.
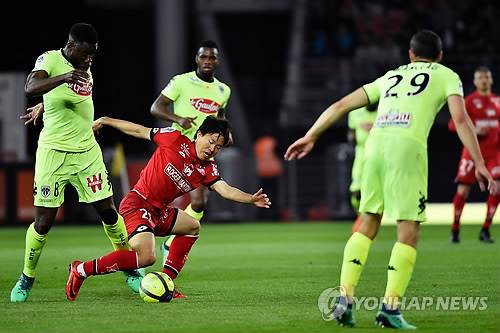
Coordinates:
x,y
395,175
86,171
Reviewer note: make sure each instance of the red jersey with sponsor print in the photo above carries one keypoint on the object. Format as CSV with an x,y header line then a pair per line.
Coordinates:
x,y
174,169
484,111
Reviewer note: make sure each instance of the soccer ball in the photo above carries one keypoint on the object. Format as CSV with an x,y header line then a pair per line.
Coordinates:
x,y
156,287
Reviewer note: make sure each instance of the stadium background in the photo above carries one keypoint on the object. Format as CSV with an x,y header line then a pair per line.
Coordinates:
x,y
285,61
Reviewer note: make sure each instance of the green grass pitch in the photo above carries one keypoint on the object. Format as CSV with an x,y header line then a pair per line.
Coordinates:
x,y
250,278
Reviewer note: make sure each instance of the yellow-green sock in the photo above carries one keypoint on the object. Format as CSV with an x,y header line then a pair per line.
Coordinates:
x,y
189,210
117,234
34,247
355,254
399,272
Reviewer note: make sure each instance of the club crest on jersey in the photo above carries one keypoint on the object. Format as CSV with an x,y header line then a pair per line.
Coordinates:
x,y
95,182
188,169
82,90
393,118
477,103
205,105
221,90
45,191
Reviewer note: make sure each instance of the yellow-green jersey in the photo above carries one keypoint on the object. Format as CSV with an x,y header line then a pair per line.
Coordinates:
x,y
361,122
194,97
68,108
410,97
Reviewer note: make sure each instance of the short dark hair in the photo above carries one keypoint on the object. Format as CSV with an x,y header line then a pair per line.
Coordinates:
x,y
207,43
83,33
426,44
212,124
482,69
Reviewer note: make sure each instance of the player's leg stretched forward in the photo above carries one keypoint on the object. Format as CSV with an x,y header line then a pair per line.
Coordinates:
x,y
36,237
143,254
115,229
196,209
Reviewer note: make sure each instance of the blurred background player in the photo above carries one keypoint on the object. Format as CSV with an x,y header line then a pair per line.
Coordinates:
x,y
194,95
395,166
178,165
67,150
483,108
360,123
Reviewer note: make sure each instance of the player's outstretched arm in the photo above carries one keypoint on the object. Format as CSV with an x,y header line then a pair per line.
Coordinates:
x,y
332,114
160,110
127,127
467,134
228,192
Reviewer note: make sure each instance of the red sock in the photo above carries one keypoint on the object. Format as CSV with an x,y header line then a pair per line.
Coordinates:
x,y
458,205
115,261
492,205
178,254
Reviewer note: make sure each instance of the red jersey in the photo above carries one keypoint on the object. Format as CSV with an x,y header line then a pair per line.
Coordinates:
x,y
484,111
174,169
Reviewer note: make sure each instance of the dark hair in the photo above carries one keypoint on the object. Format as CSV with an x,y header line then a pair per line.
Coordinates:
x,y
83,33
482,69
208,43
426,44
212,124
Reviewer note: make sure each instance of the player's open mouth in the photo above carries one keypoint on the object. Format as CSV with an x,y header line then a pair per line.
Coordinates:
x,y
207,155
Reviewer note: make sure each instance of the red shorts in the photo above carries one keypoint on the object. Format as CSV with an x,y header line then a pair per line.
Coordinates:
x,y
140,216
466,171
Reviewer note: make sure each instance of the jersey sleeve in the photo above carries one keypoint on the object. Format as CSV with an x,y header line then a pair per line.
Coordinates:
x,y
172,90
372,90
164,136
453,85
44,63
227,94
212,175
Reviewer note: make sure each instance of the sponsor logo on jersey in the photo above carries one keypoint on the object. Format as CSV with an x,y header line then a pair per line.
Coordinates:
x,y
167,130
83,90
39,61
184,150
95,182
393,118
45,191
487,123
205,105
215,172
177,178
490,113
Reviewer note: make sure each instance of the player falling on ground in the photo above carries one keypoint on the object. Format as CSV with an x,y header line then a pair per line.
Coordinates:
x,y
483,108
395,165
178,165
194,95
67,151
360,123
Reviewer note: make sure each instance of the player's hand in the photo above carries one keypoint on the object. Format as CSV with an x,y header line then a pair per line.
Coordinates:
x,y
98,125
299,148
77,76
187,122
486,181
35,113
260,199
